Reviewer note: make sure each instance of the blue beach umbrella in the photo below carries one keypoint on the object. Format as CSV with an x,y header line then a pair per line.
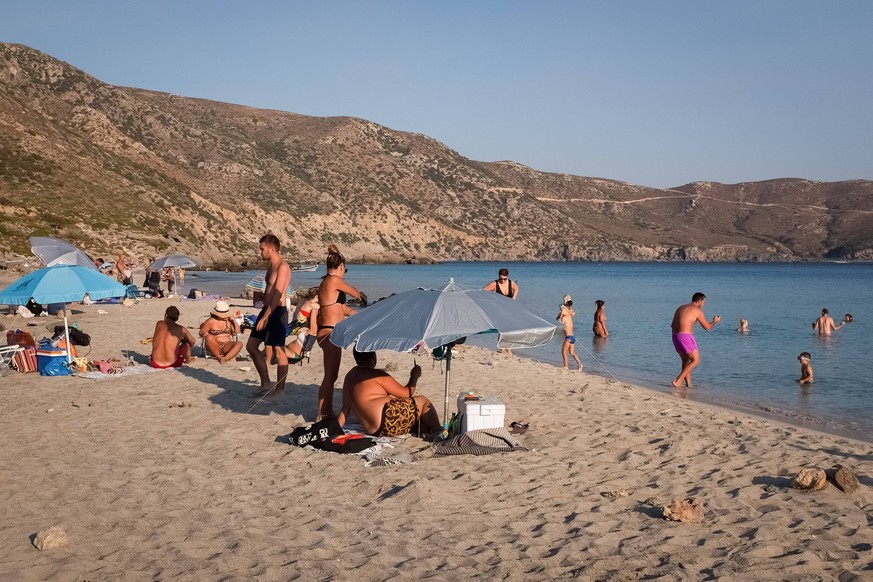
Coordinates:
x,y
61,284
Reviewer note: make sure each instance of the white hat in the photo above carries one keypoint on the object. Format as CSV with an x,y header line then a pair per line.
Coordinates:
x,y
221,310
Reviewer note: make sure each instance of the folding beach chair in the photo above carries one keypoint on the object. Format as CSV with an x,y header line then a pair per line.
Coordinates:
x,y
7,354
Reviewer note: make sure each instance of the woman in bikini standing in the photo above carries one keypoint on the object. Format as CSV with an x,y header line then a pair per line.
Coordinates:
x,y
332,295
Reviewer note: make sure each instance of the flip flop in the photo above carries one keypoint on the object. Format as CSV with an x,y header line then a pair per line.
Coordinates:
x,y
518,427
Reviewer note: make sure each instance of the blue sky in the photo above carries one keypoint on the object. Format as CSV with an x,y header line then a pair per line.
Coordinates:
x,y
658,93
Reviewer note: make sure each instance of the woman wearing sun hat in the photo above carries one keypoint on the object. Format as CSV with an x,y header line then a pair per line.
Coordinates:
x,y
219,331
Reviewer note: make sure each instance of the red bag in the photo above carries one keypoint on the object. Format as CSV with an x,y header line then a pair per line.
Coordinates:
x,y
20,338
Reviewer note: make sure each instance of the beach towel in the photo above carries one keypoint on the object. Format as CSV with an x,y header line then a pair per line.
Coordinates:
x,y
124,372
485,441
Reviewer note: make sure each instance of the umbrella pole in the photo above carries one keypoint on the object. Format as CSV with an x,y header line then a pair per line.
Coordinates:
x,y
67,336
446,403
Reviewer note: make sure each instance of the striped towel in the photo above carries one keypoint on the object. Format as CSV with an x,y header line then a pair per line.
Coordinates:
x,y
486,441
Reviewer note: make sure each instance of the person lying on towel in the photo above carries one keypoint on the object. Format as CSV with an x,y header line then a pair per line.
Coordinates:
x,y
385,407
171,343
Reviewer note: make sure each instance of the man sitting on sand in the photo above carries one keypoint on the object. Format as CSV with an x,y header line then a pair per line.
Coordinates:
x,y
385,407
683,337
171,343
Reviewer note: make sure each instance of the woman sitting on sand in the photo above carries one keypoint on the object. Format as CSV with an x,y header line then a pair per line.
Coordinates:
x,y
332,295
218,331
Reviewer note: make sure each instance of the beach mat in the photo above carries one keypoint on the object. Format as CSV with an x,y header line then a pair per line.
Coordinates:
x,y
126,371
487,441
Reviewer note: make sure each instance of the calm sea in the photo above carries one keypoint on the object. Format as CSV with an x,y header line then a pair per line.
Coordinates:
x,y
757,370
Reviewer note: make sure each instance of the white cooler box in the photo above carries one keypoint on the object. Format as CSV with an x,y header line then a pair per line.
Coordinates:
x,y
489,412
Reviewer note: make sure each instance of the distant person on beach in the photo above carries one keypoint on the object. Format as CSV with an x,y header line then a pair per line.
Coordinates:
x,y
272,320
384,406
503,285
171,343
182,277
304,327
805,368
824,325
599,328
218,332
332,295
168,275
565,316
122,269
743,326
683,337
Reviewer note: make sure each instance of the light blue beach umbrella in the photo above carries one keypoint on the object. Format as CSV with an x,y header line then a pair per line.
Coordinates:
x,y
54,251
61,284
436,317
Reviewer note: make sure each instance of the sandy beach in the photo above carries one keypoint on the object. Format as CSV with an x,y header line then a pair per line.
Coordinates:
x,y
174,475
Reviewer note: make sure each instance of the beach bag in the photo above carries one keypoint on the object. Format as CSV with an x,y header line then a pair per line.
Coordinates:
x,y
323,430
77,337
19,337
25,360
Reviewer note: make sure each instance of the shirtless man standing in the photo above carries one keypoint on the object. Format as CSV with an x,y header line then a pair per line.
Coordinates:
x,y
171,343
824,325
683,337
384,406
272,320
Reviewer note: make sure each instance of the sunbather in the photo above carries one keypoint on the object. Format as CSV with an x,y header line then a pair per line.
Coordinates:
x,y
218,331
171,343
384,406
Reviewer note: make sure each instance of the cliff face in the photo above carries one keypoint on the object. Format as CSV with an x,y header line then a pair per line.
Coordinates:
x,y
110,167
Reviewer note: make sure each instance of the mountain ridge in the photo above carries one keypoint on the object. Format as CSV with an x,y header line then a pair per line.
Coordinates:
x,y
112,167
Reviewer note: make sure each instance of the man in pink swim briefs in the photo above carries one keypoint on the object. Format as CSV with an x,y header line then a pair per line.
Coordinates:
x,y
683,338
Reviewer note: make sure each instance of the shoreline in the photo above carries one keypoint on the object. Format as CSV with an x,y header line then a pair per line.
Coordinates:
x,y
824,424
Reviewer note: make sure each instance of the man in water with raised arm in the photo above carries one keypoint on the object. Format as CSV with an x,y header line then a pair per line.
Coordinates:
x,y
272,320
824,325
683,337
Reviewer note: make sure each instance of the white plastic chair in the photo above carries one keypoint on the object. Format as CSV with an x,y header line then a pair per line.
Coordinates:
x,y
7,353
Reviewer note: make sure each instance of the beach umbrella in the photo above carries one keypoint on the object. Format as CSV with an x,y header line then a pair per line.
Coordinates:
x,y
177,261
54,251
431,318
61,284
257,283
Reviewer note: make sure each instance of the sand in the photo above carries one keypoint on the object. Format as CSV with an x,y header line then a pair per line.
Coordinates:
x,y
173,475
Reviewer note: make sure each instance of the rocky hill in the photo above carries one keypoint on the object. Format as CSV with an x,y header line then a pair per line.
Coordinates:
x,y
115,167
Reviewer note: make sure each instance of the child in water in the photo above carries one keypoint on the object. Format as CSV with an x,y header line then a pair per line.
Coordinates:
x,y
805,368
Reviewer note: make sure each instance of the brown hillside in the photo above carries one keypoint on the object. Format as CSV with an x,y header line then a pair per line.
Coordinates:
x,y
110,167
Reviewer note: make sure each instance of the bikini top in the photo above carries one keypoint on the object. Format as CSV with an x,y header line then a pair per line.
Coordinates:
x,y
340,298
228,330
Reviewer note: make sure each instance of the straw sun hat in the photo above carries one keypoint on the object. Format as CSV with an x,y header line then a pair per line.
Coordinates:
x,y
221,310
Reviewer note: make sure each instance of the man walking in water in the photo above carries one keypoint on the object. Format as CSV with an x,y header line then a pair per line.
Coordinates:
x,y
683,337
272,320
824,325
